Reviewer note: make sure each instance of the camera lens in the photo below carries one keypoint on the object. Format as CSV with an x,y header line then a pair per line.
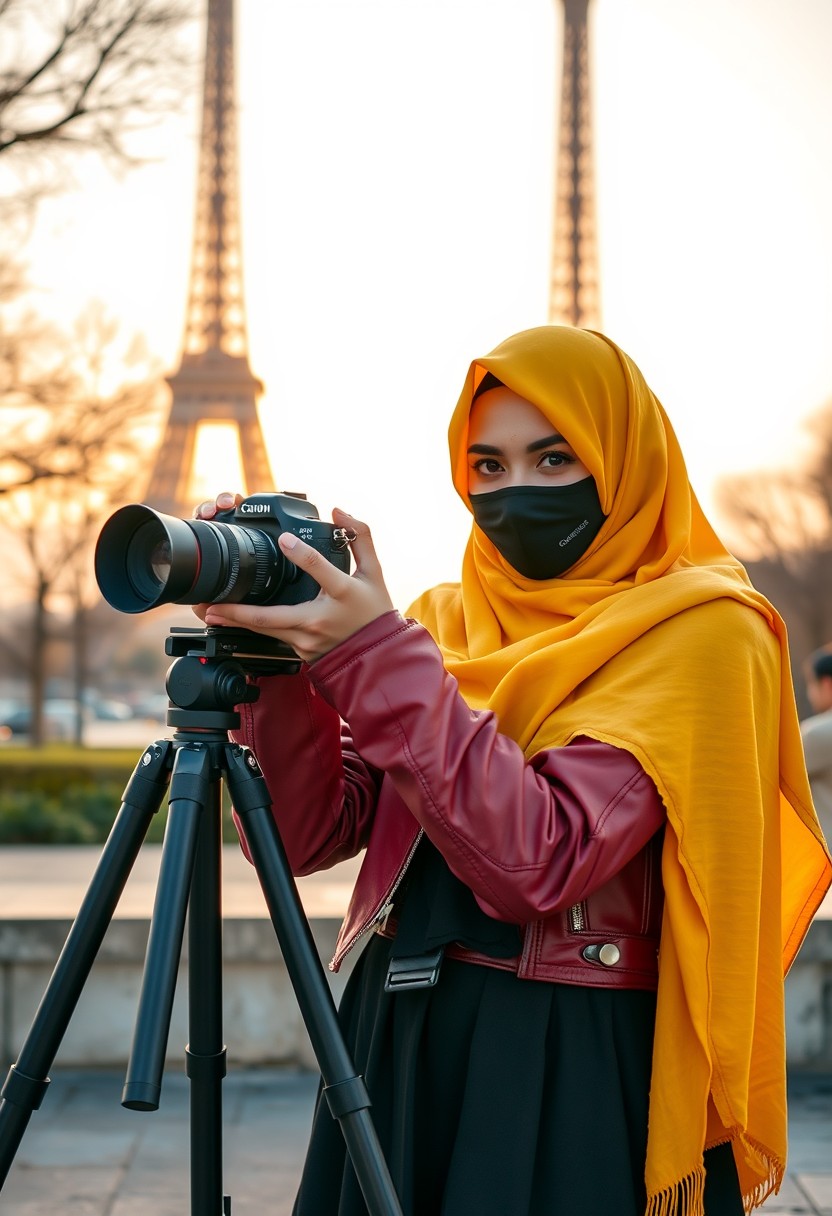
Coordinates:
x,y
144,559
148,562
160,561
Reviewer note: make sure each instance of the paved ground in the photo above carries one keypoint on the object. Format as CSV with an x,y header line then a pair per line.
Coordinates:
x,y
83,1153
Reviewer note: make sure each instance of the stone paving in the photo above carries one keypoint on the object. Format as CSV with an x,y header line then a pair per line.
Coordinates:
x,y
84,1154
808,1185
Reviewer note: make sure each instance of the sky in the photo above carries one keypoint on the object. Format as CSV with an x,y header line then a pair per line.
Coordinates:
x,y
396,165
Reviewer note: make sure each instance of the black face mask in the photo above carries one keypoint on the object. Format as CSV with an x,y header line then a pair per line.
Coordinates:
x,y
541,530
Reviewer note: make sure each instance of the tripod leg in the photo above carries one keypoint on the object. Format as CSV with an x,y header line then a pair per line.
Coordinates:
x,y
206,1055
345,1091
27,1079
190,791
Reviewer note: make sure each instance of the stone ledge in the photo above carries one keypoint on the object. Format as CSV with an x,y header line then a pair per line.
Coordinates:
x,y
260,1011
262,1020
253,939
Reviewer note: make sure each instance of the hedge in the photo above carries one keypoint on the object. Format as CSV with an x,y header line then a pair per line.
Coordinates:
x,y
67,795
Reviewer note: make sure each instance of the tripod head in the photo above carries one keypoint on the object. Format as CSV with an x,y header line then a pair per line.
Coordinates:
x,y
208,678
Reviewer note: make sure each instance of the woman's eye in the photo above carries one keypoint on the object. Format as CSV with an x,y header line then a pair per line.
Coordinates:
x,y
555,460
487,465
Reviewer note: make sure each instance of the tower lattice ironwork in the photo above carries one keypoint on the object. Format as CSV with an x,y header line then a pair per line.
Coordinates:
x,y
213,382
574,295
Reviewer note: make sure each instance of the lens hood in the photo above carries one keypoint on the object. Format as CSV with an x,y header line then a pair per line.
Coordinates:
x,y
144,558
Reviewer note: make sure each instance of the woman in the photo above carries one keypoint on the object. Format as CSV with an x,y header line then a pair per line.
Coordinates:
x,y
590,846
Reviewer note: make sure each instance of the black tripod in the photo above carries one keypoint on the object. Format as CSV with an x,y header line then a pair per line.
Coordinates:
x,y
206,681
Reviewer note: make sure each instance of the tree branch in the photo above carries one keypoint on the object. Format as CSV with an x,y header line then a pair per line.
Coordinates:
x,y
107,62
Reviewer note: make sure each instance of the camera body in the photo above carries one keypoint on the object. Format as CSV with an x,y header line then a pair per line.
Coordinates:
x,y
144,558
270,514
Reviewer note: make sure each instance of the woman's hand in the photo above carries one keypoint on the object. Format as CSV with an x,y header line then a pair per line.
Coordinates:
x,y
224,502
345,603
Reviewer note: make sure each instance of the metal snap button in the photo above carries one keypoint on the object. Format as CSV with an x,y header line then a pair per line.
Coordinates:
x,y
609,954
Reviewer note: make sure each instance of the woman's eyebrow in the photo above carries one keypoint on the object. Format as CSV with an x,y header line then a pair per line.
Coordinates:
x,y
487,449
544,443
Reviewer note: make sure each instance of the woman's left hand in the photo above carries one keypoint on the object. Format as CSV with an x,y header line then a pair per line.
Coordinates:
x,y
345,603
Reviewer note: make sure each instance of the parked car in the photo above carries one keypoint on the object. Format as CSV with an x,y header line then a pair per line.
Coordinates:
x,y
107,709
154,705
59,719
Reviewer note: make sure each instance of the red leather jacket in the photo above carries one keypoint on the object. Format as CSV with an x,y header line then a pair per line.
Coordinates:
x,y
372,745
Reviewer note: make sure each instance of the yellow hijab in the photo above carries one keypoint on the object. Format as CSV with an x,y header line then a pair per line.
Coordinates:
x,y
656,642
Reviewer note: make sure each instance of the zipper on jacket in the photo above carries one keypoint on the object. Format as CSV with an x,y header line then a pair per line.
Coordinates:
x,y
576,918
381,914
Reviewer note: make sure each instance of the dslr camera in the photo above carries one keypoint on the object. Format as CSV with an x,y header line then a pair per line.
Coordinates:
x,y
144,559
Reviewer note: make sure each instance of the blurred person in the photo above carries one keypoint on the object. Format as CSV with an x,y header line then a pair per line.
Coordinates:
x,y
817,733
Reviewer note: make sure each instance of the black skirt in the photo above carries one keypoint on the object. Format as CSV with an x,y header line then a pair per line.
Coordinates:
x,y
498,1097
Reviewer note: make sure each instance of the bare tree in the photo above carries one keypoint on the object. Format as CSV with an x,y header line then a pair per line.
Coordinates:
x,y
66,403
82,74
77,77
67,463
82,78
780,524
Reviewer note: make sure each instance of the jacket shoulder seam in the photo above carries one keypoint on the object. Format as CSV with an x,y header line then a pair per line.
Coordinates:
x,y
617,798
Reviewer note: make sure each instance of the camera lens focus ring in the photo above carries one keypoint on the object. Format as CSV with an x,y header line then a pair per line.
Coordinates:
x,y
233,571
225,567
252,564
267,561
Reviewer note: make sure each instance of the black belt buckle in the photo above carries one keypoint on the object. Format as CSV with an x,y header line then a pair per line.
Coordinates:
x,y
415,971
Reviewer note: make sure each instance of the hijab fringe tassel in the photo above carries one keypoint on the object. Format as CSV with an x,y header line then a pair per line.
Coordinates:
x,y
775,1167
684,1198
687,1197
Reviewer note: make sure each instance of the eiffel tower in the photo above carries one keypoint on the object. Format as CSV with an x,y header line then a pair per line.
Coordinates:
x,y
213,382
574,297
